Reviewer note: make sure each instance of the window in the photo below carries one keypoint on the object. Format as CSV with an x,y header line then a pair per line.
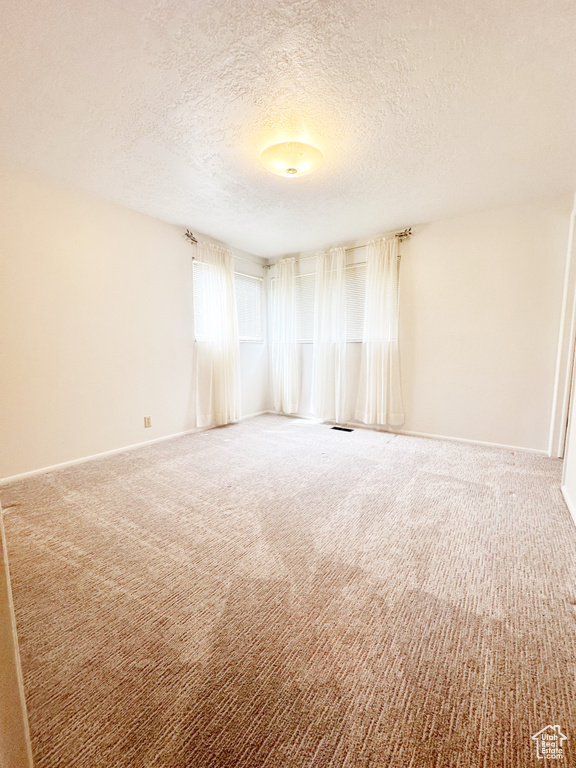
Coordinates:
x,y
201,281
248,304
305,290
355,297
249,307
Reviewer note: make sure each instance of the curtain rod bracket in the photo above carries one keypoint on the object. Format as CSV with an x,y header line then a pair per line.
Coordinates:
x,y
404,235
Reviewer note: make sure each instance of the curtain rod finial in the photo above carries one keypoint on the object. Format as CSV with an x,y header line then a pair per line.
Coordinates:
x,y
190,236
405,234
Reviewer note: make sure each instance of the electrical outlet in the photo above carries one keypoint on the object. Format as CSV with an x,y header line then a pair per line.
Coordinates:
x,y
147,421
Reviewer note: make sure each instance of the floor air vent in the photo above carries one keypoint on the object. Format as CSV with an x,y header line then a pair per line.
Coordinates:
x,y
343,429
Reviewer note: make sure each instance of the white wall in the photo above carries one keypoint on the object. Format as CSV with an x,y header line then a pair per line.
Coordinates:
x,y
481,300
97,331
96,327
480,303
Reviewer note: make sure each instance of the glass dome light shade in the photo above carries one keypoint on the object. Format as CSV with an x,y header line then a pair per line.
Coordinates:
x,y
291,158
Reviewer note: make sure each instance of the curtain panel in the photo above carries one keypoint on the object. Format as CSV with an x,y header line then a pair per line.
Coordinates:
x,y
328,397
380,394
217,350
284,336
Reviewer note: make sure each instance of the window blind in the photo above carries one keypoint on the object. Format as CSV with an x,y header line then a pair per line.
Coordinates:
x,y
306,286
355,297
249,307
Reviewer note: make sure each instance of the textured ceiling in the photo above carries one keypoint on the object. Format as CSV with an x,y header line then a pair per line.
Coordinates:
x,y
422,109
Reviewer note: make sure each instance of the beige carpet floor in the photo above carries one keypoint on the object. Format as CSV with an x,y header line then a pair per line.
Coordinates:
x,y
281,594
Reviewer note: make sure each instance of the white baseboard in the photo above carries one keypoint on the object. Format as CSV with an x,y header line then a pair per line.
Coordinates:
x,y
356,425
538,451
569,503
92,457
408,433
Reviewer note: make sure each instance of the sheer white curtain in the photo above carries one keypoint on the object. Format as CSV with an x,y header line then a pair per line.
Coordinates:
x,y
328,397
380,395
217,347
285,363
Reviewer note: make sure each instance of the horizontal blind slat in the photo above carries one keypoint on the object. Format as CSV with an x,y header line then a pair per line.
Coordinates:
x,y
355,281
306,287
249,306
355,297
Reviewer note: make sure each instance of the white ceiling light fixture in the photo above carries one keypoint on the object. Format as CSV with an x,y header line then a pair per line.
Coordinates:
x,y
291,158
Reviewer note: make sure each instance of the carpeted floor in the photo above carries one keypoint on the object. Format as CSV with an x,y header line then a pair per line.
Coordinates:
x,y
281,594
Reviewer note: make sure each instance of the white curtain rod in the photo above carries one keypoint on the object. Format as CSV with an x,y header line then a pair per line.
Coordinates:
x,y
404,235
190,237
348,266
248,261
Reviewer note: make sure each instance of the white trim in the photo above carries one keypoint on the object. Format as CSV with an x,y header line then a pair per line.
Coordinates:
x,y
407,433
15,720
73,462
92,457
564,353
537,451
569,502
567,445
